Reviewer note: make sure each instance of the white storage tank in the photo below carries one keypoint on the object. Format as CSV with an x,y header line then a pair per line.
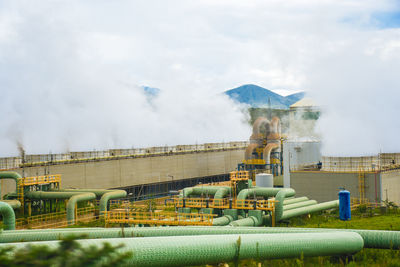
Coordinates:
x,y
264,180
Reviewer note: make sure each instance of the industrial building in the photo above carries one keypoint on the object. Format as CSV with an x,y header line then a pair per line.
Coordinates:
x,y
141,172
373,178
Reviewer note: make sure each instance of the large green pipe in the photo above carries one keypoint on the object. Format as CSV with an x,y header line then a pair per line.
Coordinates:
x,y
372,238
249,221
72,203
50,194
294,200
115,194
11,175
222,192
73,199
15,204
104,194
310,209
258,192
8,215
299,205
200,250
221,221
280,197
279,193
199,190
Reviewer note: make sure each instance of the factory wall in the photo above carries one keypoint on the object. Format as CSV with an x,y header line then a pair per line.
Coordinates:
x,y
391,186
324,186
133,171
297,154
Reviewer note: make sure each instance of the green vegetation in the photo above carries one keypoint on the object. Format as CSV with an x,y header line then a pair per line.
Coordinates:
x,y
68,254
362,218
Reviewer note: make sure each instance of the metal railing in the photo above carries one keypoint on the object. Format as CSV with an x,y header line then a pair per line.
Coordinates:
x,y
158,218
254,161
56,219
357,202
379,162
239,175
36,180
247,204
31,160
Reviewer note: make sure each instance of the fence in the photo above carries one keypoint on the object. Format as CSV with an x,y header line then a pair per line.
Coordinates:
x,y
158,218
380,162
56,219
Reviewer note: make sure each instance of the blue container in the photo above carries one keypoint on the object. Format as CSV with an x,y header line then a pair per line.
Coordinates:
x,y
344,205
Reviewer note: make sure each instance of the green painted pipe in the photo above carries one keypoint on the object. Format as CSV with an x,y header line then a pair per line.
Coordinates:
x,y
15,204
372,238
289,201
299,205
186,192
221,221
199,190
249,221
50,194
310,209
279,193
72,203
73,198
258,191
8,215
115,194
280,197
11,175
222,192
200,250
104,194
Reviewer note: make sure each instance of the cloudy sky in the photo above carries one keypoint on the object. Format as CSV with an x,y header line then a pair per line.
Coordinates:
x,y
70,71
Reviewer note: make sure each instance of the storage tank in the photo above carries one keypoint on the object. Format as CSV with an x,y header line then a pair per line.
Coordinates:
x,y
344,205
264,180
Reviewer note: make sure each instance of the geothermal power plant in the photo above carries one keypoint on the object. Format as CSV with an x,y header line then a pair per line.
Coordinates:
x,y
199,204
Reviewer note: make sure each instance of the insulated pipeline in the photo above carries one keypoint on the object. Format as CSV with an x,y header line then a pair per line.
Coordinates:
x,y
199,250
299,205
249,221
73,199
8,215
372,238
306,210
294,200
280,197
11,175
104,194
224,220
72,202
15,204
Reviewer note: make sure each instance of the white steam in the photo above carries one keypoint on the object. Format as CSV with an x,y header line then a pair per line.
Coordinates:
x,y
70,70
358,88
63,89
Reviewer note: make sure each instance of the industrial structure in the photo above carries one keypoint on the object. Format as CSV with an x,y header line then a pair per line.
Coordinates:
x,y
370,179
142,172
264,151
225,209
41,195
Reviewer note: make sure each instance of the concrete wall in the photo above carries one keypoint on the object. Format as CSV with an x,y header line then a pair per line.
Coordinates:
x,y
391,186
324,186
127,172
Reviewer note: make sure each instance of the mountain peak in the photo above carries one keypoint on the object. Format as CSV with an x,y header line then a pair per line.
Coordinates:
x,y
257,96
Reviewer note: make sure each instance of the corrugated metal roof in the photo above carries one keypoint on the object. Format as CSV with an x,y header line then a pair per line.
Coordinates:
x,y
305,102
